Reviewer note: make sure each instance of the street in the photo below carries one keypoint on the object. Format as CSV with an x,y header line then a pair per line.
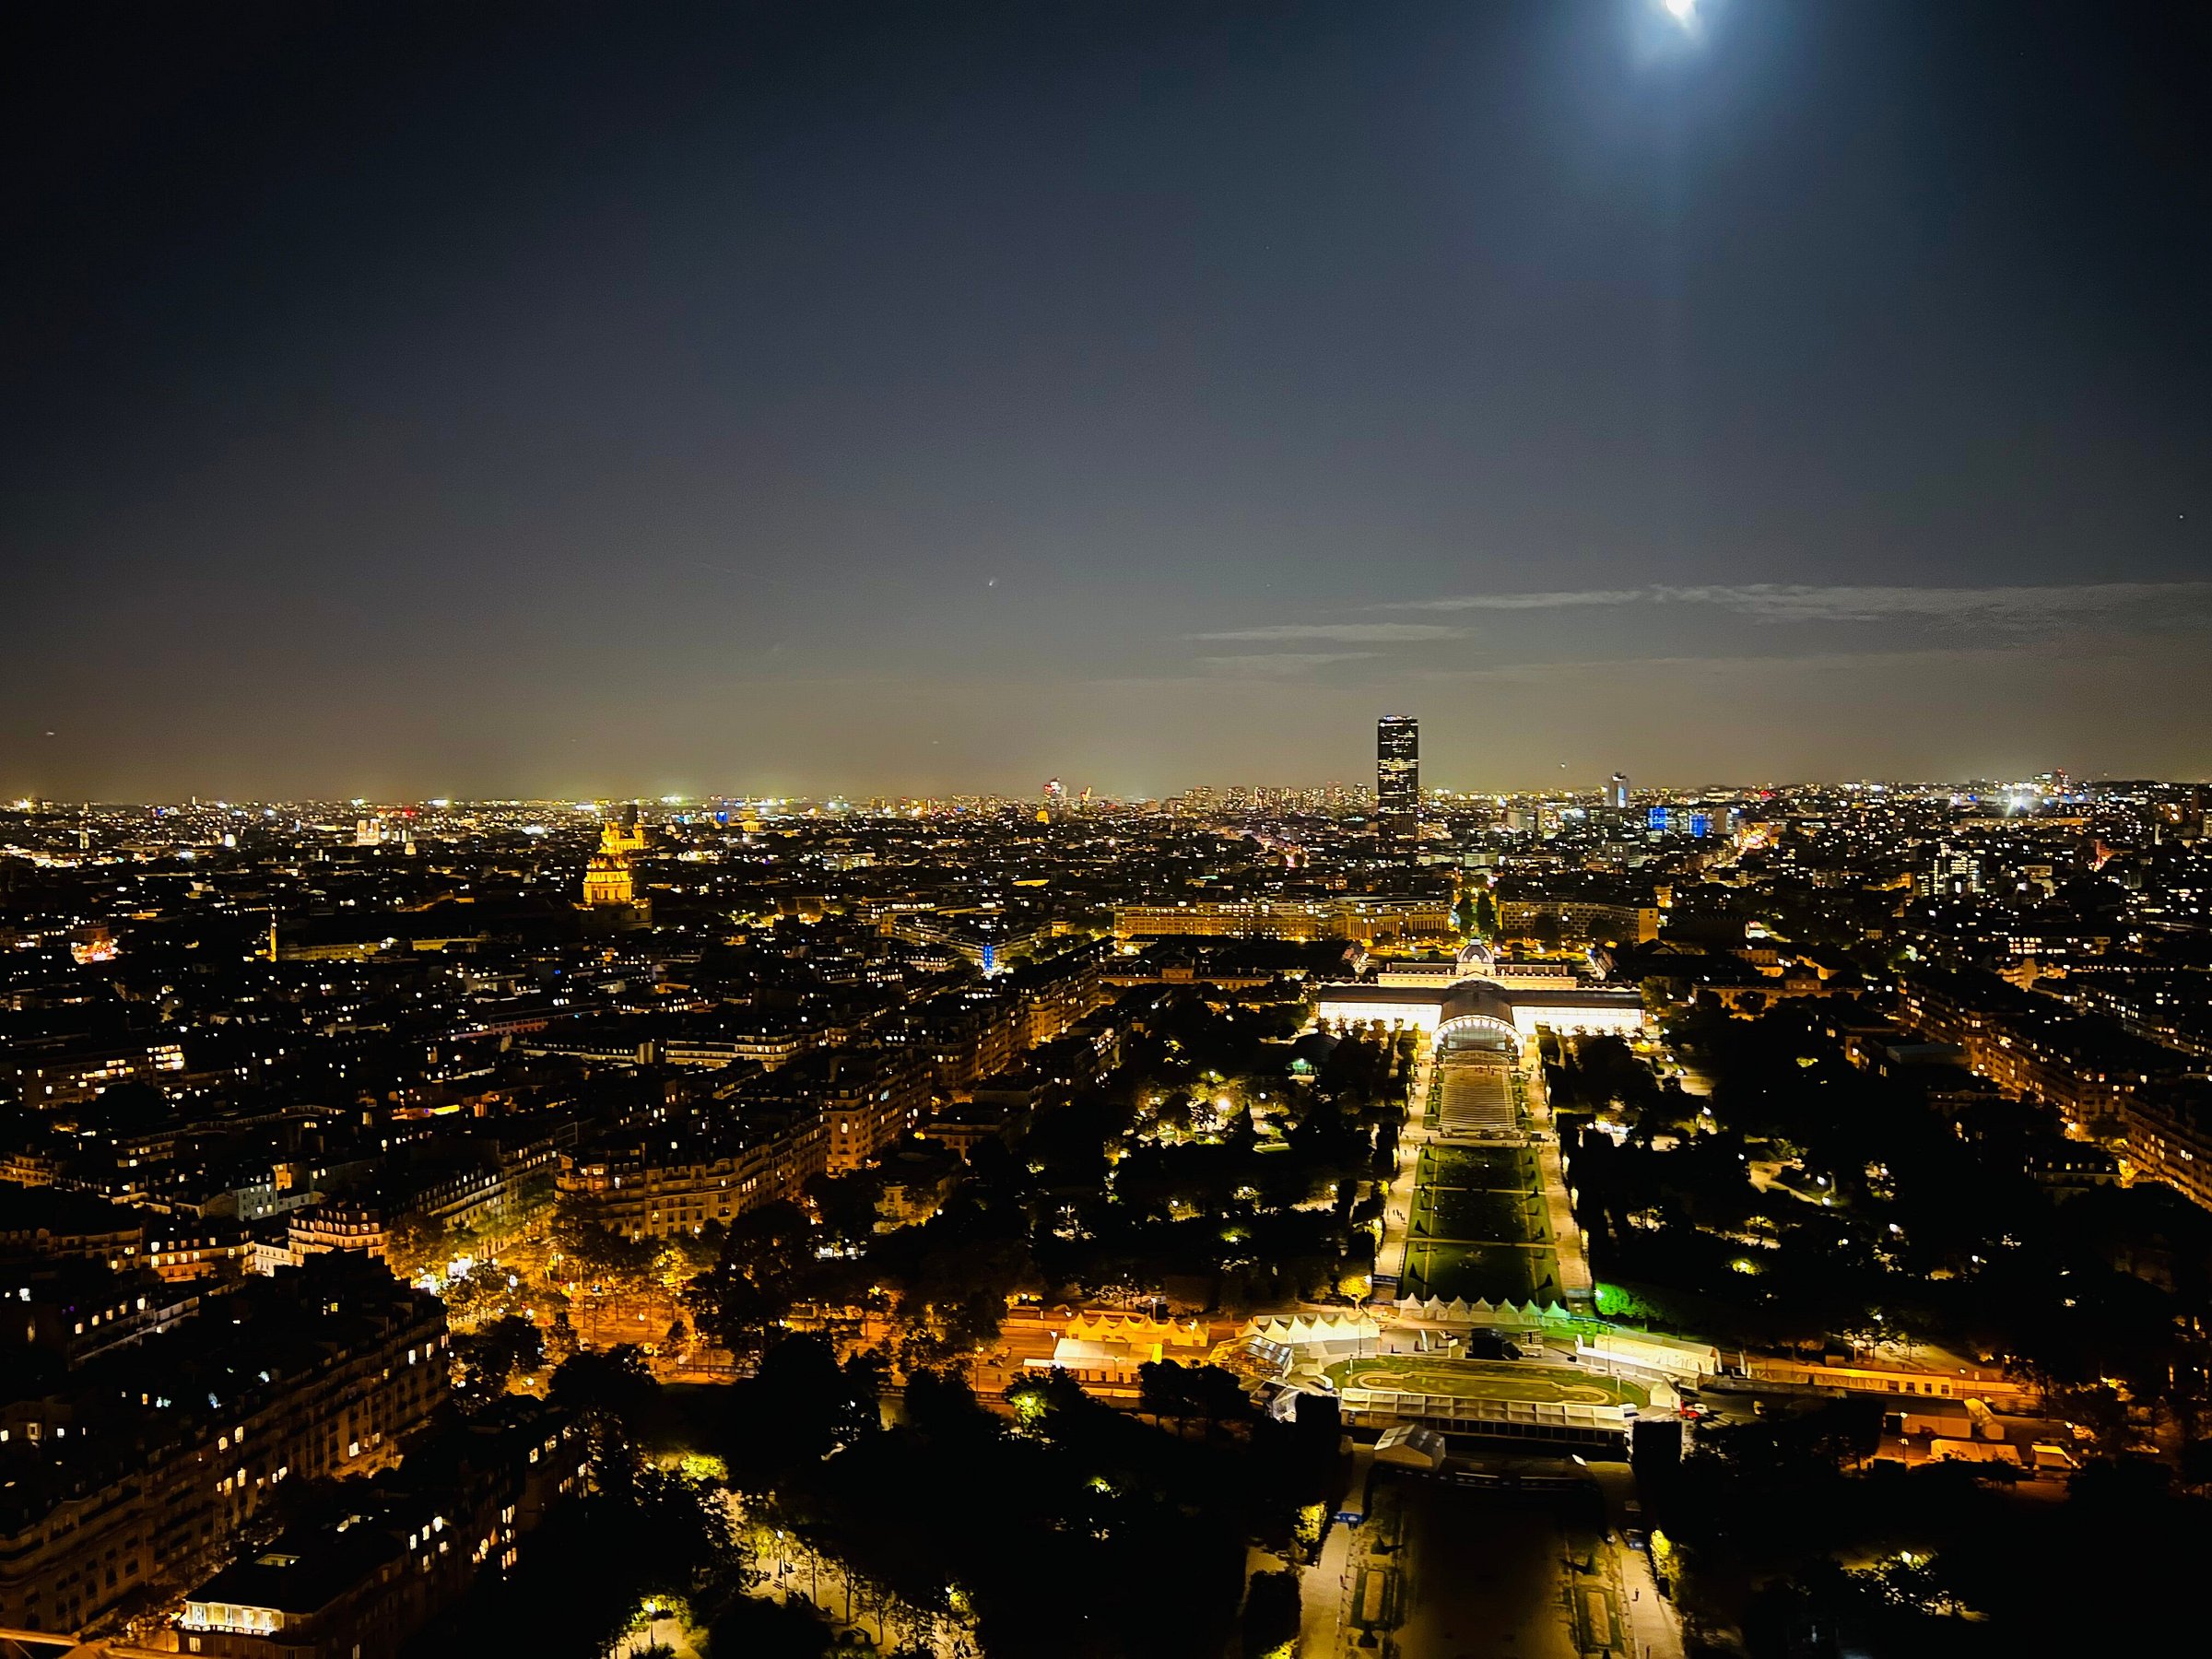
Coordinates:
x,y
1445,1571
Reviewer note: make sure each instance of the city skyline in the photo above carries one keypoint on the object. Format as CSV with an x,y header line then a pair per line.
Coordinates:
x,y
1121,830
853,402
1355,791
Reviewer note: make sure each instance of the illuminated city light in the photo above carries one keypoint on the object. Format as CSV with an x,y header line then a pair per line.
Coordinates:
x,y
1411,1165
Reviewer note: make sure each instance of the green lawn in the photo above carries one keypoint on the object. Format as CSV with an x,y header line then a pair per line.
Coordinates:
x,y
1485,1380
1456,1213
1494,1273
1495,1168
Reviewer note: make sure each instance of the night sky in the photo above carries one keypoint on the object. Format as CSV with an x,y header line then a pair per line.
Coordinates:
x,y
911,397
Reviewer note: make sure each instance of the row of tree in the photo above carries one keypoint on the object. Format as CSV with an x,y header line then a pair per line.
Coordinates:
x,y
930,1518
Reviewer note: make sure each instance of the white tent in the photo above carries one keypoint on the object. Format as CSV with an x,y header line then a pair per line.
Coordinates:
x,y
1337,1334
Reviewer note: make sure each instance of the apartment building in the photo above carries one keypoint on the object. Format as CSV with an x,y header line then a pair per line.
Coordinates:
x,y
131,1476
410,1546
669,1179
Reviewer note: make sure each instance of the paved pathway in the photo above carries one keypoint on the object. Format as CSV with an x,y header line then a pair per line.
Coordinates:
x,y
1398,1200
1655,1628
1485,1578
1325,1587
1578,1288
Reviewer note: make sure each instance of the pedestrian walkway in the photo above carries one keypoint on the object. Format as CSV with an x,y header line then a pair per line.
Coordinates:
x,y
1578,1288
1397,1197
1654,1627
1325,1588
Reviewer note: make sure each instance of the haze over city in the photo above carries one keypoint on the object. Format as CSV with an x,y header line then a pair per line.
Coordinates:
x,y
985,830
411,401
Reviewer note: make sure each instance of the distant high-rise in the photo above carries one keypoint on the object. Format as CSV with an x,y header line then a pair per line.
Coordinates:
x,y
1954,873
1397,780
1616,792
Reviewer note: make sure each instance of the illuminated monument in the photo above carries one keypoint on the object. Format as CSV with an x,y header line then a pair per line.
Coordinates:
x,y
610,885
1480,1000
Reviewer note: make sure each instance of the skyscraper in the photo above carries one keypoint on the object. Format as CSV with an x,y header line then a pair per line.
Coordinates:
x,y
1397,780
1616,792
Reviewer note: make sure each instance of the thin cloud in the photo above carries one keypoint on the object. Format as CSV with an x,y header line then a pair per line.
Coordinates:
x,y
1466,602
1790,602
1363,633
1277,665
1783,603
1767,665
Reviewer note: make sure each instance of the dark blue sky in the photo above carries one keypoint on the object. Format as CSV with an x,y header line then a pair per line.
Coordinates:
x,y
904,398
